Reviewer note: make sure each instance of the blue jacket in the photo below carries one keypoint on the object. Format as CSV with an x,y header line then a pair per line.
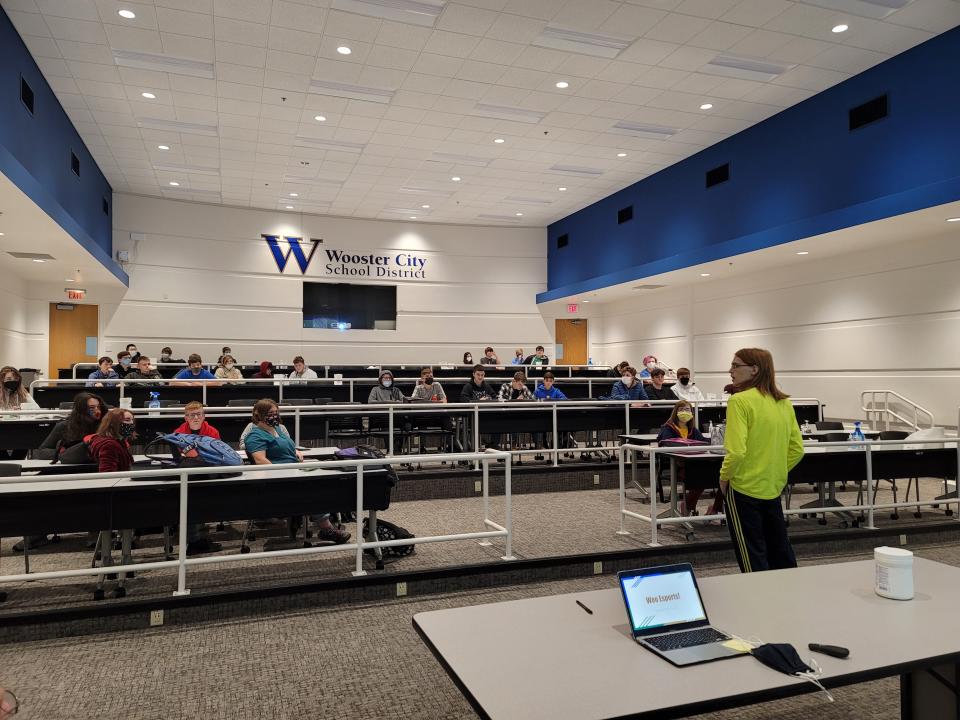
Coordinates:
x,y
97,376
541,393
622,392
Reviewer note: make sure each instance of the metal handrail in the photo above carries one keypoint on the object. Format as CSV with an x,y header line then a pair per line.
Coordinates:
x,y
492,529
864,446
884,412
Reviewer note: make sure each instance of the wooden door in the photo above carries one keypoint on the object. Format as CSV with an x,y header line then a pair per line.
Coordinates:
x,y
73,335
571,339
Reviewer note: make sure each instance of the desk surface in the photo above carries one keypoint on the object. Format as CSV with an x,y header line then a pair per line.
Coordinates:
x,y
547,658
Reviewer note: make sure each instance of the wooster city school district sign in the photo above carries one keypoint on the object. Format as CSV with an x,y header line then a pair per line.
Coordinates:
x,y
345,264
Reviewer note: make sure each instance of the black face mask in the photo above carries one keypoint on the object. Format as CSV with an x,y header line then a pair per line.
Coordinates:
x,y
428,380
272,420
781,656
127,430
684,381
11,385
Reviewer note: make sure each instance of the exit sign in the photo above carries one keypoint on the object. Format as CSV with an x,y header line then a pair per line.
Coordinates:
x,y
572,308
75,293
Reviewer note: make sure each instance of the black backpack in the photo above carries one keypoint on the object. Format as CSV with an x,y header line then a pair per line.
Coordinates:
x,y
388,531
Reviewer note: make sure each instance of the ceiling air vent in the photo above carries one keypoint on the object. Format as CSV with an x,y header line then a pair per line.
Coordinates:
x,y
648,287
563,240
30,256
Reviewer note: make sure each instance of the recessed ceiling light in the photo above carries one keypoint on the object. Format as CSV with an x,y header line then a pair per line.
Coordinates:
x,y
519,214
586,301
840,28
621,154
174,183
344,50
704,274
69,280
706,106
956,219
563,84
320,118
456,178
1,234
163,147
148,95
289,207
425,207
128,14
499,140
562,189
294,195
39,260
803,252
413,217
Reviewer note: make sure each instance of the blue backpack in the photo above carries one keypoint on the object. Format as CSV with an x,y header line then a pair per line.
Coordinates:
x,y
202,450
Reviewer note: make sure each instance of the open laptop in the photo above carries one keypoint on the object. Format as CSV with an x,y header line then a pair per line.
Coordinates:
x,y
667,616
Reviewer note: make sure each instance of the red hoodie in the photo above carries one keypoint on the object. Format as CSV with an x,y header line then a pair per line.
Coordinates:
x,y
111,455
205,429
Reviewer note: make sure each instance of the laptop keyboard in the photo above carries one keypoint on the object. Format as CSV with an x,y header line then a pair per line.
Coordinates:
x,y
688,638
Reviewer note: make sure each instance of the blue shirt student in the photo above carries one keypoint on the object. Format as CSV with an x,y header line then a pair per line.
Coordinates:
x,y
99,376
547,390
280,448
188,374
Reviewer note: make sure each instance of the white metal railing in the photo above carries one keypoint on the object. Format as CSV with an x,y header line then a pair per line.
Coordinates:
x,y
457,410
491,528
864,446
879,408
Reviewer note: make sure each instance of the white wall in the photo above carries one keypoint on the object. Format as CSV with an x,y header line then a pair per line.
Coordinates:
x,y
23,325
202,277
884,319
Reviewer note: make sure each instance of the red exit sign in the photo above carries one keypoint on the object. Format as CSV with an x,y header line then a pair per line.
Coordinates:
x,y
75,293
572,308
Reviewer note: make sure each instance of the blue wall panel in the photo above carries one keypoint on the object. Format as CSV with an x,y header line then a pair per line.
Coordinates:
x,y
801,172
35,154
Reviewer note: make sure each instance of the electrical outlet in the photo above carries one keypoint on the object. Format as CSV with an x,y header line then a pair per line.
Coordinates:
x,y
478,486
156,618
598,568
596,479
401,589
903,539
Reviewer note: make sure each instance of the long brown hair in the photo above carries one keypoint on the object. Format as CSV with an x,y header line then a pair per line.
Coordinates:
x,y
765,380
20,393
110,424
675,421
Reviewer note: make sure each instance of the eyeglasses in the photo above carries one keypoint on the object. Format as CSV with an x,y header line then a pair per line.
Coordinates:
x,y
194,415
9,705
734,366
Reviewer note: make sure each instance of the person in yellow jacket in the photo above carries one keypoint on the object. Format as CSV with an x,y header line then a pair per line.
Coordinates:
x,y
763,444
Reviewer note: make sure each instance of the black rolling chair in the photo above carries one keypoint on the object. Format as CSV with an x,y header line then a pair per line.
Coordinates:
x,y
895,515
241,402
289,402
829,425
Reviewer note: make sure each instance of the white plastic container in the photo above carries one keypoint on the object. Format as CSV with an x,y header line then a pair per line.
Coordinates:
x,y
894,571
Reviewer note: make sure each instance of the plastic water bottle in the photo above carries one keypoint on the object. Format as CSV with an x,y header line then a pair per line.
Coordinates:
x,y
857,434
589,361
710,429
154,403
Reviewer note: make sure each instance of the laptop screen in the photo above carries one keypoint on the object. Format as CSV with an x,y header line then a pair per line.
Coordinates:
x,y
663,597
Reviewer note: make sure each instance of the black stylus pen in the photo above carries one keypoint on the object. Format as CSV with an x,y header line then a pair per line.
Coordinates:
x,y
589,611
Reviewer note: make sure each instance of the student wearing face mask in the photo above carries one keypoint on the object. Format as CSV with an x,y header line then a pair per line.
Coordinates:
x,y
134,353
224,351
685,388
468,358
13,395
228,370
385,391
517,357
124,364
681,425
649,363
269,443
166,356
428,389
628,387
110,446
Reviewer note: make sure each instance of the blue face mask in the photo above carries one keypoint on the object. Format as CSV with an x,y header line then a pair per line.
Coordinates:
x,y
125,361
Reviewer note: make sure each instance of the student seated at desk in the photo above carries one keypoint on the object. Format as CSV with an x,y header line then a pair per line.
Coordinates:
x,y
518,357
656,390
124,364
301,372
489,357
628,387
110,445
538,358
269,443
428,388
617,370
166,356
478,389
516,389
13,395
194,373
103,374
385,391
547,390
266,370
228,370
681,425
143,370
196,424
686,389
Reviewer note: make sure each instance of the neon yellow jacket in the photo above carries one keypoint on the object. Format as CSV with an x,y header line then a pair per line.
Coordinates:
x,y
763,443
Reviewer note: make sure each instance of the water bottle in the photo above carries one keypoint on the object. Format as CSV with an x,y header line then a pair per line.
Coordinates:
x,y
154,403
857,434
710,430
589,361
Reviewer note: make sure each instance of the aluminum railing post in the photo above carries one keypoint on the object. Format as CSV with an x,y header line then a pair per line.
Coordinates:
x,y
870,493
485,485
508,498
182,550
476,433
653,497
296,425
390,430
351,389
283,384
204,391
359,569
623,487
556,436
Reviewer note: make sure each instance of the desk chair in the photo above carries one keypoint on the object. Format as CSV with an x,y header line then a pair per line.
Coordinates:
x,y
901,435
829,425
296,401
241,402
66,405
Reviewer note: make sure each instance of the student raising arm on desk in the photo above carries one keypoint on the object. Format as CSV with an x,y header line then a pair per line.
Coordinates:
x,y
763,444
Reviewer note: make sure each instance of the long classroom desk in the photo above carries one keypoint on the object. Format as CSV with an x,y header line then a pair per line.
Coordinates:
x,y
546,658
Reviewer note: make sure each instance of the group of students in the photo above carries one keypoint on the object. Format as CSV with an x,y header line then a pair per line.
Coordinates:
x,y
428,389
94,434
539,357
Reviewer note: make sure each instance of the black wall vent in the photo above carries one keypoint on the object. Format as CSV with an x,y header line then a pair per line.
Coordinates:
x,y
106,207
625,215
26,94
75,163
718,175
563,241
869,112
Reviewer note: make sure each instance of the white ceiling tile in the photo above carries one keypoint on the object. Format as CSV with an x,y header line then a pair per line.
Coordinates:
x,y
847,59
187,84
185,23
48,47
77,30
144,79
778,95
400,35
298,16
452,44
648,52
540,9
53,67
798,50
582,66
237,54
720,36
286,81
440,65
290,62
233,91
489,50
28,23
586,15
755,13
294,41
256,11
688,58
239,31
677,28
465,19
760,43
351,27
74,9
480,72
184,46
512,28
385,56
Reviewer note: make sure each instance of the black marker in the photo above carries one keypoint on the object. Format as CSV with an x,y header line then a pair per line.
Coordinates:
x,y
589,611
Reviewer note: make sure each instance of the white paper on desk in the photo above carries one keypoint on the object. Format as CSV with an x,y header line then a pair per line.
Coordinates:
x,y
447,367
338,378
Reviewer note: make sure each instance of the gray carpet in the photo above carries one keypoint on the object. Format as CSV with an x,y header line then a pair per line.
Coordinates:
x,y
357,661
546,524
